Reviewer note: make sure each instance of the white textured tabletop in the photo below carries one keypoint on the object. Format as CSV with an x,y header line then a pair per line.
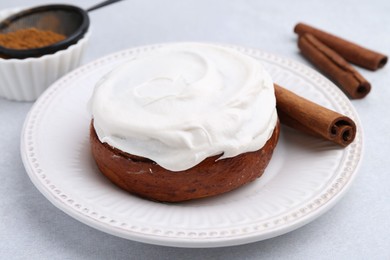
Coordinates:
x,y
358,227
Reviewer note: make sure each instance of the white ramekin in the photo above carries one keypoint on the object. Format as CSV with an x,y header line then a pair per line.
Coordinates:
x,y
26,79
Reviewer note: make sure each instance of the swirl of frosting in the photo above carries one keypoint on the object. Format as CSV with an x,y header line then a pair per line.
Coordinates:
x,y
184,102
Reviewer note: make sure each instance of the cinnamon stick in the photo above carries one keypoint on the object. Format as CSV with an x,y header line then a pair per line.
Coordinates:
x,y
352,52
334,66
309,117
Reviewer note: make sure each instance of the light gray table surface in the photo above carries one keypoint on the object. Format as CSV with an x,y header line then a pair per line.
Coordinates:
x,y
358,227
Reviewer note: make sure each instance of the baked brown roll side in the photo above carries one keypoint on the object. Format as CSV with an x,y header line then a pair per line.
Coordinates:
x,y
147,179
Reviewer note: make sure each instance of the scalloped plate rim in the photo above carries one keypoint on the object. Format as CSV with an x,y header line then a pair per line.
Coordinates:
x,y
186,241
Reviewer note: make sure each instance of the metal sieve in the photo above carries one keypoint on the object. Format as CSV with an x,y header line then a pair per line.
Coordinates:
x,y
70,21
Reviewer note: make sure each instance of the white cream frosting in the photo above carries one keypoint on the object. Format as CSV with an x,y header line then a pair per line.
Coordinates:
x,y
184,102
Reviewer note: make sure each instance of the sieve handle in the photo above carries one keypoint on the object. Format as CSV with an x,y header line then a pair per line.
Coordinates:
x,y
102,4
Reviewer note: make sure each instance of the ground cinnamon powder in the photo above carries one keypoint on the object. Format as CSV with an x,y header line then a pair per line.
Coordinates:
x,y
29,38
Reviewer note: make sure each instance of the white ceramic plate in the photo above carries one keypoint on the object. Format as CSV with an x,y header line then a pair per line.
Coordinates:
x,y
305,178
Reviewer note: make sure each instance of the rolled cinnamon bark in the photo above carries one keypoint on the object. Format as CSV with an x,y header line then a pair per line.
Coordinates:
x,y
304,115
352,52
334,66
